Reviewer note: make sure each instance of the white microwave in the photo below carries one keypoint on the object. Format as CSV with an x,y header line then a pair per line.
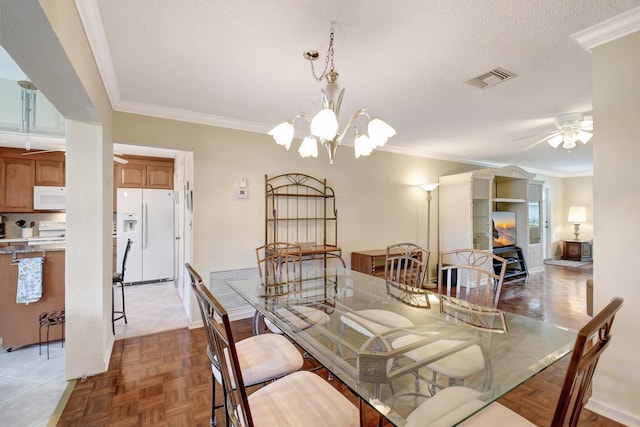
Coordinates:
x,y
49,198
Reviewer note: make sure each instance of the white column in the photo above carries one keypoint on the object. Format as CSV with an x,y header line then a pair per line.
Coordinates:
x,y
89,181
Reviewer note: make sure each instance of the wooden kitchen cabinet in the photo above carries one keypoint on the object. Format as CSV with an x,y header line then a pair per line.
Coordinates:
x,y
17,179
144,172
50,172
160,176
131,176
20,172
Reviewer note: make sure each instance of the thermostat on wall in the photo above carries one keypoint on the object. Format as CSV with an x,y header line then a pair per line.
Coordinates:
x,y
242,193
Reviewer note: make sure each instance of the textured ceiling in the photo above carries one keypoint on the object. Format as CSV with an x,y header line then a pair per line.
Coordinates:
x,y
239,64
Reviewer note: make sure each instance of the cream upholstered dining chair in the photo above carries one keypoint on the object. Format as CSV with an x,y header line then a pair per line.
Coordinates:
x,y
474,278
261,358
591,341
301,398
280,270
405,270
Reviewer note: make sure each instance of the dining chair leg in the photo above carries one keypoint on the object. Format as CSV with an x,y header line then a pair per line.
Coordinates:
x,y
212,422
113,313
124,312
255,329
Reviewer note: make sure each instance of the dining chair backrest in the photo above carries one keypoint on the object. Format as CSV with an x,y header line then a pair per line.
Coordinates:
x,y
279,267
593,338
471,275
124,258
406,263
196,281
405,269
218,325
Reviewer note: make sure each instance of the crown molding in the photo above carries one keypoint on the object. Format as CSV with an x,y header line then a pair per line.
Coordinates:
x,y
612,29
190,116
91,19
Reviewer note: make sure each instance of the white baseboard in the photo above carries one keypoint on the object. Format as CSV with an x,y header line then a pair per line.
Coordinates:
x,y
626,418
234,314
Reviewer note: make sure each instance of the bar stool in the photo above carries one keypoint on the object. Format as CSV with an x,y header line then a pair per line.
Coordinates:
x,y
119,278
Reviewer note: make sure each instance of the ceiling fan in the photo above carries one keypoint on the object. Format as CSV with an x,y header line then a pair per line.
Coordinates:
x,y
29,153
570,128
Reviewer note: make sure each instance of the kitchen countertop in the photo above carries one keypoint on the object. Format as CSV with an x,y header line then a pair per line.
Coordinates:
x,y
24,249
16,240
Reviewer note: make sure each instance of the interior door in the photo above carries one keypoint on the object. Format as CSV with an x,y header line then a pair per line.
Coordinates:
x,y
548,221
179,229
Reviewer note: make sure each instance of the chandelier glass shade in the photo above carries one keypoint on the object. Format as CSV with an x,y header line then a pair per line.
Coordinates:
x,y
324,127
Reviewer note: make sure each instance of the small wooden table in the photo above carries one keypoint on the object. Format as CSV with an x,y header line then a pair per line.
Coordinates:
x,y
370,262
576,250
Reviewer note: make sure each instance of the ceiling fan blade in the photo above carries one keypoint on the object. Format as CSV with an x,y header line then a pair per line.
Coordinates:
x,y
29,153
536,134
540,141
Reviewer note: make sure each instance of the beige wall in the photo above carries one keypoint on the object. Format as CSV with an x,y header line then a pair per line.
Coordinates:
x,y
578,192
616,106
376,197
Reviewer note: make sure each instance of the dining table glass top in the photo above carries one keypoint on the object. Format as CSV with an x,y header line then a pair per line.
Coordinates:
x,y
378,345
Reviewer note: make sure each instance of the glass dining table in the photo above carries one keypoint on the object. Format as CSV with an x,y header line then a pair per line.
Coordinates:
x,y
347,321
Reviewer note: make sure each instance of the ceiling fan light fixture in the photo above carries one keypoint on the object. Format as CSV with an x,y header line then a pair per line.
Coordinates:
x,y
572,127
584,137
555,141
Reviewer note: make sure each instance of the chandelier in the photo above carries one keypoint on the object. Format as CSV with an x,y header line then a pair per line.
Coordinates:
x,y
324,126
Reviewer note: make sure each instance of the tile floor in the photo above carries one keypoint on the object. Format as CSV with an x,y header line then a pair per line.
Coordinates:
x,y
31,386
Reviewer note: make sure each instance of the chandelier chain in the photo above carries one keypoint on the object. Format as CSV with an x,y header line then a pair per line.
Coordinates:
x,y
328,59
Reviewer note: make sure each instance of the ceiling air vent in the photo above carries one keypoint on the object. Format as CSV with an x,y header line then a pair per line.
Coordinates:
x,y
491,78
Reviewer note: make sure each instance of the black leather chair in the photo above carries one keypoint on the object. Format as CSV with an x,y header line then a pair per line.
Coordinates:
x,y
119,278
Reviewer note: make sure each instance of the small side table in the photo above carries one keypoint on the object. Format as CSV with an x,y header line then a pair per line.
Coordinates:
x,y
369,262
576,250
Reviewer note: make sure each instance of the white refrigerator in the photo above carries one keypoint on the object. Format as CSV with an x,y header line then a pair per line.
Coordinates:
x,y
146,217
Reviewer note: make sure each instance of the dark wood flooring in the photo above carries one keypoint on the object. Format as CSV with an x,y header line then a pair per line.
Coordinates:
x,y
164,379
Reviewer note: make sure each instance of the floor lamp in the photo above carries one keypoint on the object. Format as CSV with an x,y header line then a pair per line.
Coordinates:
x,y
428,188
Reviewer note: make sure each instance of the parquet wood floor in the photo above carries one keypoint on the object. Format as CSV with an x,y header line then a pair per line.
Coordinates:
x,y
164,379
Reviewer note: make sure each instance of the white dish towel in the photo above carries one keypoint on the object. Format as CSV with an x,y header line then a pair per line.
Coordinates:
x,y
29,280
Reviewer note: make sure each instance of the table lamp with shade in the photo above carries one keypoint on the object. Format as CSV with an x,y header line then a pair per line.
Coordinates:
x,y
577,216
